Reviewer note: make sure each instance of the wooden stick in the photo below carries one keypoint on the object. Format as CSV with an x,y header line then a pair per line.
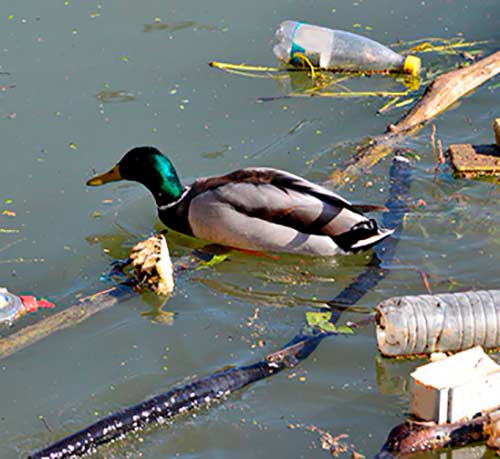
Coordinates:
x,y
443,92
82,310
69,317
446,89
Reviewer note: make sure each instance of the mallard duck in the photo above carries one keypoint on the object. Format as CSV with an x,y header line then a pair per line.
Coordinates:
x,y
255,208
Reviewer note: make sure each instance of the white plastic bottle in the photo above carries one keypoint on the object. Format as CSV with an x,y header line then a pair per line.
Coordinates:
x,y
336,49
10,306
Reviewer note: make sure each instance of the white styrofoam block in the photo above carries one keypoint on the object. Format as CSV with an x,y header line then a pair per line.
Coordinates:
x,y
457,387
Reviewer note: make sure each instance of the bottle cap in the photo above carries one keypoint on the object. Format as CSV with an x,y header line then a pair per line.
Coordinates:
x,y
31,304
412,65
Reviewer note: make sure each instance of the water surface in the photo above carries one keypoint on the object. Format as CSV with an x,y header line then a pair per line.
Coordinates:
x,y
95,79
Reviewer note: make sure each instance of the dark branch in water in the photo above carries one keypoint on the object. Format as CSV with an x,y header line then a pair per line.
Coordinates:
x,y
209,389
412,436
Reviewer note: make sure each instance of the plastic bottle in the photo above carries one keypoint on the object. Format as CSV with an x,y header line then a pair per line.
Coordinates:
x,y
336,49
13,306
10,306
423,324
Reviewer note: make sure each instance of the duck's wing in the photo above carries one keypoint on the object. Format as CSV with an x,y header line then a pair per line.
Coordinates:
x,y
281,180
286,201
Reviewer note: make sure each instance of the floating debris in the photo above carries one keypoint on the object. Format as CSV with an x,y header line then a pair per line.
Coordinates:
x,y
475,160
14,306
322,321
443,46
120,95
422,324
456,387
176,26
217,153
152,264
337,49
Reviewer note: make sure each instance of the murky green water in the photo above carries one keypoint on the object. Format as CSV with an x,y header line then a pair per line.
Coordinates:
x,y
94,79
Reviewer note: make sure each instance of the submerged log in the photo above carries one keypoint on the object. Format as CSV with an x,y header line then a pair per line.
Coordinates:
x,y
443,92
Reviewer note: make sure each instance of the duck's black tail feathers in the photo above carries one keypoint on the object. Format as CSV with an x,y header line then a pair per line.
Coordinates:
x,y
362,236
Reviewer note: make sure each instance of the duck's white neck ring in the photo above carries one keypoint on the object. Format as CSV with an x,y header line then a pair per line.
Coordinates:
x,y
174,203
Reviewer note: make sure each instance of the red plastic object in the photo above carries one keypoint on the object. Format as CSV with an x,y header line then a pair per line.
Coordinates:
x,y
31,304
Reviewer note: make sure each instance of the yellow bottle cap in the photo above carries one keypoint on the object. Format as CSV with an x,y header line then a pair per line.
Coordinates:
x,y
412,65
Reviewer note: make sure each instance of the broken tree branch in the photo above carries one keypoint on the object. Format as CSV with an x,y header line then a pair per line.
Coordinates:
x,y
443,92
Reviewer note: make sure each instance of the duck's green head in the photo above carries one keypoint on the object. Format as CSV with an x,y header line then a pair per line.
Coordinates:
x,y
148,166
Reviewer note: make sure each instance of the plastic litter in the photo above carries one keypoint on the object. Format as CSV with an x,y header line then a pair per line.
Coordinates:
x,y
10,306
337,49
456,387
438,323
13,306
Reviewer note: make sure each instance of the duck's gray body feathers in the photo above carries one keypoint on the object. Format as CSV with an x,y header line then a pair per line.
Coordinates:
x,y
271,210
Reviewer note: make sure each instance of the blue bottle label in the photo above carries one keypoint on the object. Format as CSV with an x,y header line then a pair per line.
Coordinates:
x,y
296,48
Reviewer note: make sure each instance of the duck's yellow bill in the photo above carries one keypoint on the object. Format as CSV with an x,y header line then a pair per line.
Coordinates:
x,y
111,176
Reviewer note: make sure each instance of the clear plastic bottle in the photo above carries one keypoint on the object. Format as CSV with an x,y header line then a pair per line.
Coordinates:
x,y
336,49
11,306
